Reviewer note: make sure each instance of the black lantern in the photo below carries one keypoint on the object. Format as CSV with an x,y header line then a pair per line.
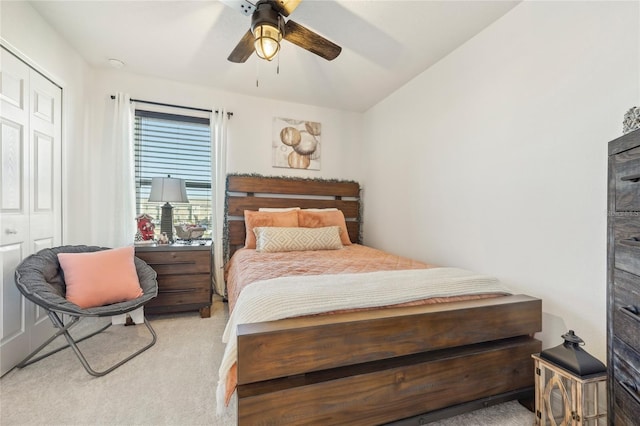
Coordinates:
x,y
571,385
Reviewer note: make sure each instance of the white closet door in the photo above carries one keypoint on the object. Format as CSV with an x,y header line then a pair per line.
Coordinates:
x,y
30,196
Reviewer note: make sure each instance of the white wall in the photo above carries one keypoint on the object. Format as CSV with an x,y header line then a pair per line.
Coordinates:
x,y
495,158
250,128
28,36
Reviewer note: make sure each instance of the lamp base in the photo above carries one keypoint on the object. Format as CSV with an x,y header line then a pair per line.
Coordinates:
x,y
166,221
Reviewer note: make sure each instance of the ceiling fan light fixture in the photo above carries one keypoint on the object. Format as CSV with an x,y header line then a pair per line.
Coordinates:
x,y
267,40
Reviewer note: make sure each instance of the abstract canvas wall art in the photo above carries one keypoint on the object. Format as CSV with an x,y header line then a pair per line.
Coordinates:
x,y
296,143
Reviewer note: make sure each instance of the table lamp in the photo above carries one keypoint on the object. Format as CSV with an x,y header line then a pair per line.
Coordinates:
x,y
168,190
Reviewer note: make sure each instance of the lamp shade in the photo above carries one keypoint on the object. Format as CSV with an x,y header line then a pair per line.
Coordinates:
x,y
168,189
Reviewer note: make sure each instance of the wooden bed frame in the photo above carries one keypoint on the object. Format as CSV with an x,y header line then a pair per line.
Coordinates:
x,y
401,366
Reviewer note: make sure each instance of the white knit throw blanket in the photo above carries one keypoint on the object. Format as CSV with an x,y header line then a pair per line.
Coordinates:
x,y
294,296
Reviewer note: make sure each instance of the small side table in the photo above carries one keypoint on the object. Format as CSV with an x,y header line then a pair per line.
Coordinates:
x,y
564,398
184,277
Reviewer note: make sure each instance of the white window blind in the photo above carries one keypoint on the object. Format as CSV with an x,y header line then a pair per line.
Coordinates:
x,y
180,146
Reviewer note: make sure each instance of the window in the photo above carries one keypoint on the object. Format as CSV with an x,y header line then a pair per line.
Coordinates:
x,y
180,146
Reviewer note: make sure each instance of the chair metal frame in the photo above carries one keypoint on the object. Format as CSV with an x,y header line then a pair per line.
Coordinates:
x,y
41,280
64,331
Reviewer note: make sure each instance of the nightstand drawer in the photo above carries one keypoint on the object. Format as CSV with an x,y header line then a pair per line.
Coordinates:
x,y
178,301
627,180
191,282
178,262
175,291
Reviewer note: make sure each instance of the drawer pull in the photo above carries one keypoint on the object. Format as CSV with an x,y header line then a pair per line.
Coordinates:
x,y
631,178
633,241
631,311
632,389
178,290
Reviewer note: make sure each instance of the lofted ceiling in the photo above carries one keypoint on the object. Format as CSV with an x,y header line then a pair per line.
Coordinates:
x,y
384,44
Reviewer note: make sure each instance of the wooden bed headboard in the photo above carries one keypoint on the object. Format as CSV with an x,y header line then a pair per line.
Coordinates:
x,y
250,192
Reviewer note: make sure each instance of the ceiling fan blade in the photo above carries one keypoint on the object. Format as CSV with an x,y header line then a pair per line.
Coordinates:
x,y
307,39
243,49
285,7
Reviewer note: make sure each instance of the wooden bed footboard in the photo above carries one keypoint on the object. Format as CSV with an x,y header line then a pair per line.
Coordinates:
x,y
374,367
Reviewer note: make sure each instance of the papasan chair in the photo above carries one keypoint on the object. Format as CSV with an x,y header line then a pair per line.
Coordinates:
x,y
40,278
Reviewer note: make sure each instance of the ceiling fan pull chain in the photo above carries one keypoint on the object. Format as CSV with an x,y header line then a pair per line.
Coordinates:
x,y
257,73
281,29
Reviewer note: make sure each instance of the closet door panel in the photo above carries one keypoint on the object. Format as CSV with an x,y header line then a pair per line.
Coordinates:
x,y
14,151
45,176
15,339
14,207
30,196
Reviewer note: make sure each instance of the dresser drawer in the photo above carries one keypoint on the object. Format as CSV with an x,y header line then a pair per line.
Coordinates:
x,y
626,366
177,262
627,255
624,240
627,180
625,290
626,322
626,407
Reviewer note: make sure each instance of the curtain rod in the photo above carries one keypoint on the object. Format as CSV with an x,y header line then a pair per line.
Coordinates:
x,y
229,114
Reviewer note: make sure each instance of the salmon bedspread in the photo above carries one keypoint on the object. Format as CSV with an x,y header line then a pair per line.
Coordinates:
x,y
248,266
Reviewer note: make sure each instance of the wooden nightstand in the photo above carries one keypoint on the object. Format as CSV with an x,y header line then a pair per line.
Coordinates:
x,y
184,277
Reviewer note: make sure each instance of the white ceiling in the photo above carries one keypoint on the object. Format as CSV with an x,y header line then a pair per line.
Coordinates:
x,y
384,44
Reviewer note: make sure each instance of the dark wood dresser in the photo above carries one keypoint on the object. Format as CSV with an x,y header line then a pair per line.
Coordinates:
x,y
184,277
623,280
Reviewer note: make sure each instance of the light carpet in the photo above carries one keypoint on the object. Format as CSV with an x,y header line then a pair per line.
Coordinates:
x,y
173,383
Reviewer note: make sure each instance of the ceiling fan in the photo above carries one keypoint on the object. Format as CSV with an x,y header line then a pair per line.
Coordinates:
x,y
268,28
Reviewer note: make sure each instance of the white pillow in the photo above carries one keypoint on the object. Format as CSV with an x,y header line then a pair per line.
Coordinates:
x,y
331,209
276,239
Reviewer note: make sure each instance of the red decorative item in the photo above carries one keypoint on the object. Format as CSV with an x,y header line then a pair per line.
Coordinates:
x,y
145,226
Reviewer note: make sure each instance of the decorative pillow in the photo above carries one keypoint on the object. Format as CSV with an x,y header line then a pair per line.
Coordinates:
x,y
311,219
277,209
274,239
101,277
254,219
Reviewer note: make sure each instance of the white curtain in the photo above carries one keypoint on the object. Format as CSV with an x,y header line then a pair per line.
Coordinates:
x,y
113,190
219,176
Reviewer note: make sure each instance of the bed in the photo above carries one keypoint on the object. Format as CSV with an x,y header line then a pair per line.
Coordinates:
x,y
409,362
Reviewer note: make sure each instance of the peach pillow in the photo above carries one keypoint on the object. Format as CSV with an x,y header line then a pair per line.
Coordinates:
x,y
253,219
315,219
101,277
277,209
